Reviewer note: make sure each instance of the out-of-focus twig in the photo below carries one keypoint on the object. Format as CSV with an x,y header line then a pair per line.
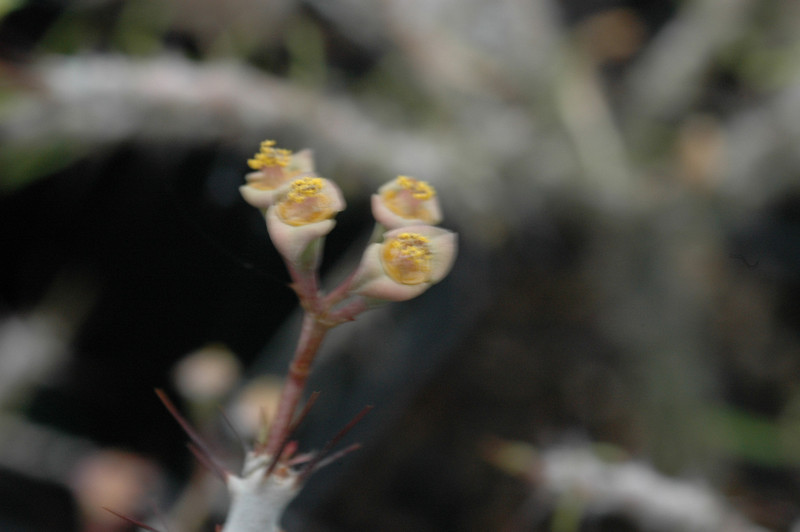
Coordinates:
x,y
33,346
671,72
632,488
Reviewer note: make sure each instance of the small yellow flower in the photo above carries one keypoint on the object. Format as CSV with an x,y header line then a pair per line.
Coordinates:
x,y
274,169
303,214
409,261
407,258
406,201
306,202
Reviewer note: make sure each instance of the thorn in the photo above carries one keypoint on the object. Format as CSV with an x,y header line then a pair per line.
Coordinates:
x,y
289,450
193,435
210,465
312,465
131,521
337,455
263,432
233,429
300,459
290,432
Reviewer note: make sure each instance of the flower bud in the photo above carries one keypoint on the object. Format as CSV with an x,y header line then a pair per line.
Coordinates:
x,y
302,215
274,169
406,201
408,261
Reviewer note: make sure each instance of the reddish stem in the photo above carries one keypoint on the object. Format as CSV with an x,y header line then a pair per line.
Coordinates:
x,y
311,336
306,286
276,456
317,319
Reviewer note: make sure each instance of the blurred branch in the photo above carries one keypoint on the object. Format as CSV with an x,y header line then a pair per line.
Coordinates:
x,y
31,348
38,451
598,142
636,490
34,346
598,487
106,99
674,66
99,100
497,88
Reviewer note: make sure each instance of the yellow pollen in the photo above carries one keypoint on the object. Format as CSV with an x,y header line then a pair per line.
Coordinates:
x,y
419,189
407,258
409,201
305,203
305,187
269,155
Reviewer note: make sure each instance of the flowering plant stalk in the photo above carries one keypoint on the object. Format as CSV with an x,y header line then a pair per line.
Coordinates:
x,y
300,213
406,256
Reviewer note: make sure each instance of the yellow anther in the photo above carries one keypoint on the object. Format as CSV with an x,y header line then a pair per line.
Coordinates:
x,y
269,155
305,202
407,258
409,199
304,188
419,189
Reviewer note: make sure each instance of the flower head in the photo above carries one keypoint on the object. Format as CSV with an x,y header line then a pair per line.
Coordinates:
x,y
408,262
274,169
303,214
406,201
306,203
406,258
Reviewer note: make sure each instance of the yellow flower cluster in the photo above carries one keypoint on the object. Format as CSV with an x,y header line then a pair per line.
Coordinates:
x,y
407,254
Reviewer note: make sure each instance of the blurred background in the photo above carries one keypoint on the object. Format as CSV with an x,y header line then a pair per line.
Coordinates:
x,y
616,349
